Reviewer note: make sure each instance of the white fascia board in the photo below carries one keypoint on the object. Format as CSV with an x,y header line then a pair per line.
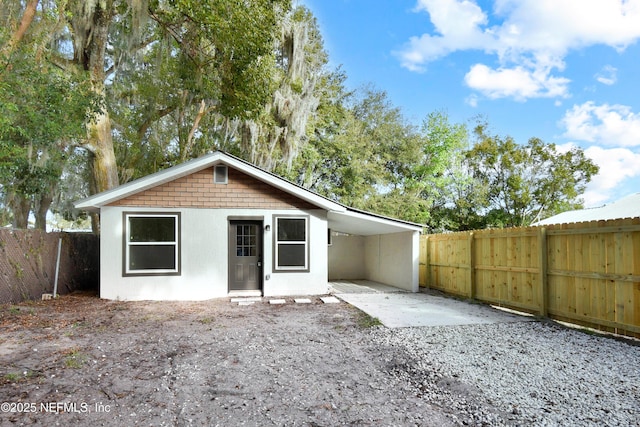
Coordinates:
x,y
363,224
101,199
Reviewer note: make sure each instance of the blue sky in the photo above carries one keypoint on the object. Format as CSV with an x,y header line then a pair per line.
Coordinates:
x,y
565,71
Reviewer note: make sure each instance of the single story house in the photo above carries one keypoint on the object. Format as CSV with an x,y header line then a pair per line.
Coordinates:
x,y
627,207
219,226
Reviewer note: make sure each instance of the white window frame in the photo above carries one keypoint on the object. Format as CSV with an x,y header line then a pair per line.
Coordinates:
x,y
277,243
220,174
127,271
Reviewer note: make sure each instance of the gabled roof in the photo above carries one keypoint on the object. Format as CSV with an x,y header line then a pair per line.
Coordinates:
x,y
96,201
342,218
627,207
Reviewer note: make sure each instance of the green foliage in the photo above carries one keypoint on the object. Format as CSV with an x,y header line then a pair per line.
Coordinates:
x,y
207,66
183,77
74,358
42,109
223,45
365,154
525,183
366,321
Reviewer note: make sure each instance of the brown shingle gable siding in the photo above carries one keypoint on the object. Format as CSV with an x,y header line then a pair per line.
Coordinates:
x,y
198,191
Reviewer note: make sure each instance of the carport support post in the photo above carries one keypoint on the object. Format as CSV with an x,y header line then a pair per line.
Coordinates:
x,y
472,267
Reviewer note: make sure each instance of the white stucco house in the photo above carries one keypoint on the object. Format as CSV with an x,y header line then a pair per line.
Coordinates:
x,y
218,226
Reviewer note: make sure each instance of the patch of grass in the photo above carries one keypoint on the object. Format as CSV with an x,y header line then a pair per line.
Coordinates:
x,y
14,377
16,310
365,321
74,358
79,324
206,320
74,326
119,305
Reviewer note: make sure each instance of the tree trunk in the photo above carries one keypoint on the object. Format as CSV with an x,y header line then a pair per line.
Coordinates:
x,y
27,17
20,206
104,171
91,22
42,207
103,159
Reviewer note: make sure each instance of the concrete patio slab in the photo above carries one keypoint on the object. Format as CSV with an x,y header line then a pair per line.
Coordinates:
x,y
401,310
246,299
361,287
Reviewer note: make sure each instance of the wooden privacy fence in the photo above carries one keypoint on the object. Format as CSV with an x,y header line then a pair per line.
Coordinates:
x,y
585,273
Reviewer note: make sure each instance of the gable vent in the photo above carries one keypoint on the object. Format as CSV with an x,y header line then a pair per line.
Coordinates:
x,y
220,174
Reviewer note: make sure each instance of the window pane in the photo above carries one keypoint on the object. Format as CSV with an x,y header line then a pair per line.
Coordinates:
x,y
152,229
291,255
152,257
292,229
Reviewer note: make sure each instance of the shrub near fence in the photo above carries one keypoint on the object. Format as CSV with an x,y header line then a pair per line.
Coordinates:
x,y
28,263
584,273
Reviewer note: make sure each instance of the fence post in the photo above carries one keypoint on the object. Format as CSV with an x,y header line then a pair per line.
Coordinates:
x,y
472,267
427,261
542,262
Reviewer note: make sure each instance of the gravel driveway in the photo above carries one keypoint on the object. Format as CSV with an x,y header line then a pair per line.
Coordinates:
x,y
79,360
528,373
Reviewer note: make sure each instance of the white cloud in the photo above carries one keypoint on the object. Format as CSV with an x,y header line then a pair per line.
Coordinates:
x,y
613,125
528,37
458,24
617,166
608,75
518,82
472,100
557,26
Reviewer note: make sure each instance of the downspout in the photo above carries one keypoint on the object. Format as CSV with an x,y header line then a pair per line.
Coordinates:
x,y
55,282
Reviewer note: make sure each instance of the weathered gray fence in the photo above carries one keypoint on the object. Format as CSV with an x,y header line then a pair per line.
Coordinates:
x,y
28,263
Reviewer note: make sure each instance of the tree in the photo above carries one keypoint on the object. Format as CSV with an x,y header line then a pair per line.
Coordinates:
x,y
364,153
346,158
169,108
448,188
525,183
215,55
275,138
42,110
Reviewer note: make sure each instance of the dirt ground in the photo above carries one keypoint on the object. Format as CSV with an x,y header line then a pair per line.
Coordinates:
x,y
79,360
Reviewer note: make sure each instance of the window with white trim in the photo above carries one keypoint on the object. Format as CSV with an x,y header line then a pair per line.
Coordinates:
x,y
291,243
220,174
152,243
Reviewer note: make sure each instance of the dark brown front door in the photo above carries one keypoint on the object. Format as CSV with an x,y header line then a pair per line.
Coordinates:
x,y
245,255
